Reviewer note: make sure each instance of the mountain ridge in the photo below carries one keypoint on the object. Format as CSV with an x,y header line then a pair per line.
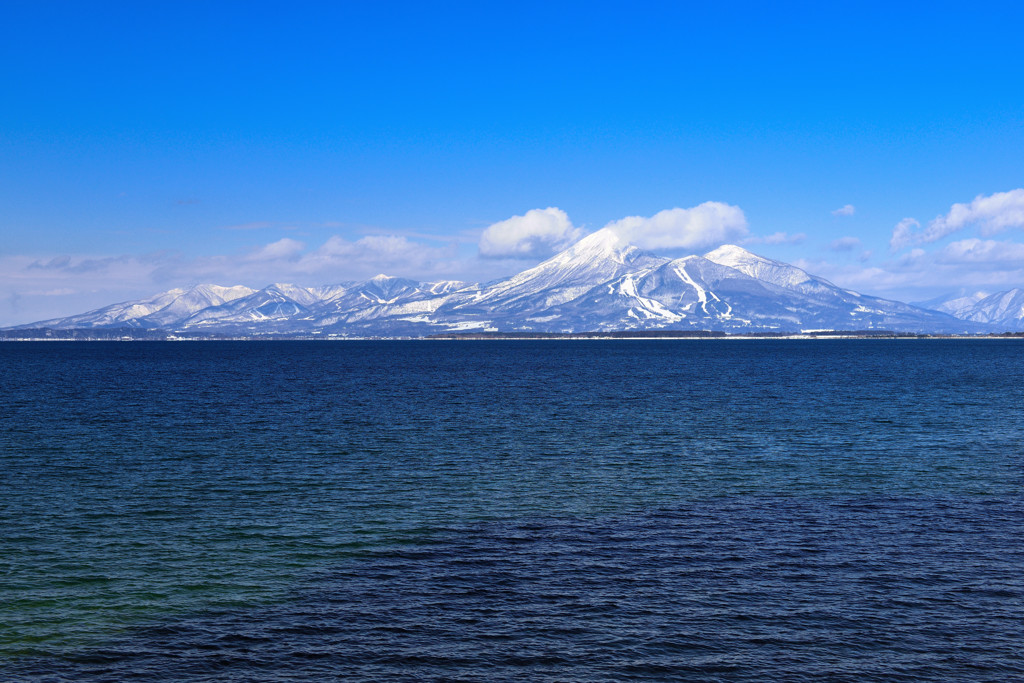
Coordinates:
x,y
600,283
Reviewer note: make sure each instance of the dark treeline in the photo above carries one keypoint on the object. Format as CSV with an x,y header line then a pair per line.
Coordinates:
x,y
136,334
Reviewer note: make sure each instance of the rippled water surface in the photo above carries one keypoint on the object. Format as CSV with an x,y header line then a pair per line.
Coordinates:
x,y
551,510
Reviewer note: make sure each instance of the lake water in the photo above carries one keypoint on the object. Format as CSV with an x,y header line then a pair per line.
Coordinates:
x,y
534,510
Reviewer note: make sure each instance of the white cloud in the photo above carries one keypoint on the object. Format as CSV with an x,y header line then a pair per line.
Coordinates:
x,y
982,251
919,274
536,235
257,225
372,254
377,253
777,238
991,214
845,244
847,210
904,234
282,249
708,224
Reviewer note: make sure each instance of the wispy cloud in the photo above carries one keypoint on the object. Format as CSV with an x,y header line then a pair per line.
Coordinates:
x,y
991,252
904,234
847,210
777,238
256,225
918,273
845,244
372,254
55,263
284,248
990,214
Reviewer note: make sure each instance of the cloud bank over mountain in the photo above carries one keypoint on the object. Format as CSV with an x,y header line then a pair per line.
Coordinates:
x,y
539,233
921,262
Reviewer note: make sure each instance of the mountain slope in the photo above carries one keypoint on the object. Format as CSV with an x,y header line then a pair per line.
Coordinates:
x,y
777,273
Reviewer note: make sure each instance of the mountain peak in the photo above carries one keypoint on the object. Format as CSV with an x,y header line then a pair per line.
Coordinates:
x,y
225,292
774,272
728,253
603,244
606,246
1002,308
605,238
289,291
597,258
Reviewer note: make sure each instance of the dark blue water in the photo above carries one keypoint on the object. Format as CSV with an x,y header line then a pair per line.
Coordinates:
x,y
480,511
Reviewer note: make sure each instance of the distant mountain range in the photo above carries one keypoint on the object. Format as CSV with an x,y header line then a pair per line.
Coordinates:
x,y
1002,310
601,283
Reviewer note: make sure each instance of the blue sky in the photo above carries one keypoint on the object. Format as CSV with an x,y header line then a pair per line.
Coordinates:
x,y
145,146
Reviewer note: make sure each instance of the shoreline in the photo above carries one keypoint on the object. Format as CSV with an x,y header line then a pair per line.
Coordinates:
x,y
91,336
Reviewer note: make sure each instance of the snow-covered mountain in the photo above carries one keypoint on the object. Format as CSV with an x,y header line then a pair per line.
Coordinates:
x,y
167,309
601,283
955,305
1004,310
